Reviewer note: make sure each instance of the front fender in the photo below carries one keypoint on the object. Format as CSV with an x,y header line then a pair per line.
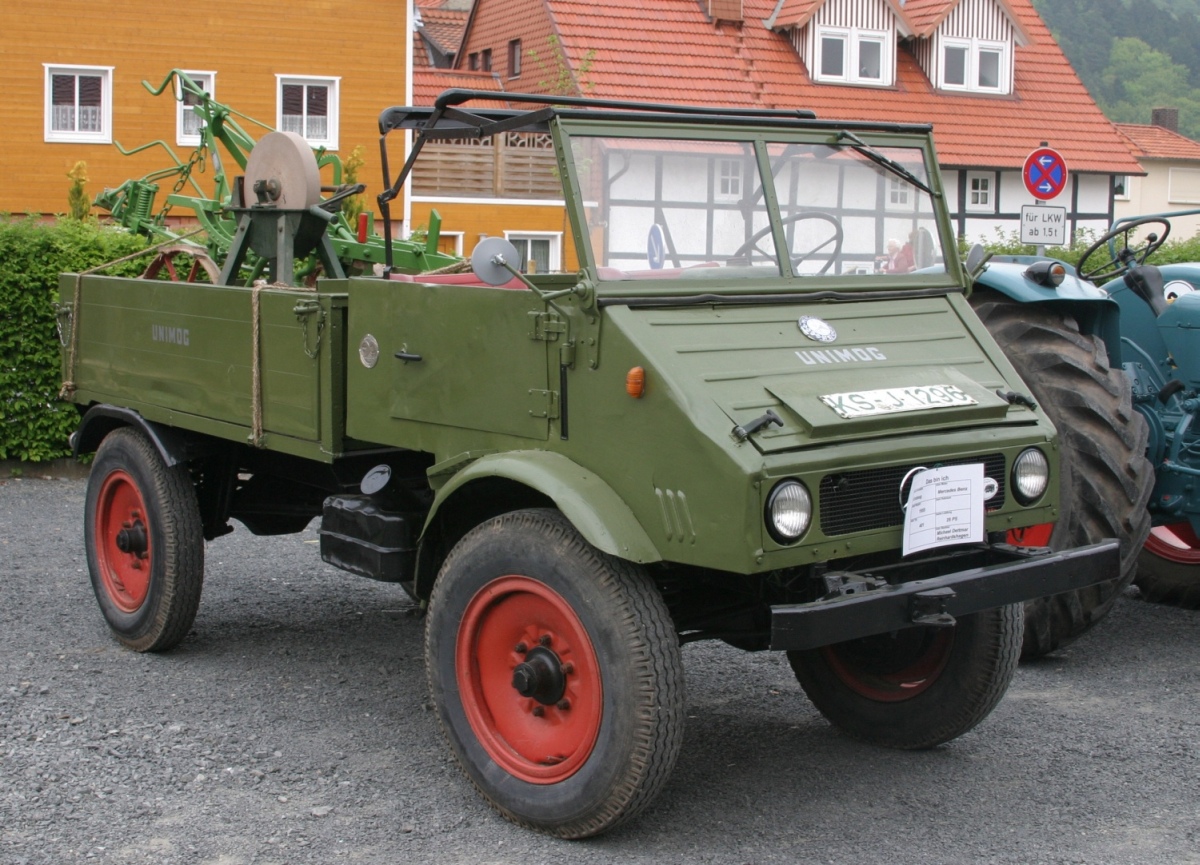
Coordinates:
x,y
598,513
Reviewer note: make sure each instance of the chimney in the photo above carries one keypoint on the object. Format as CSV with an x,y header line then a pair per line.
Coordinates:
x,y
1167,118
725,10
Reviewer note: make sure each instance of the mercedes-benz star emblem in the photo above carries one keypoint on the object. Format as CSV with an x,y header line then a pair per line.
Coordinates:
x,y
818,329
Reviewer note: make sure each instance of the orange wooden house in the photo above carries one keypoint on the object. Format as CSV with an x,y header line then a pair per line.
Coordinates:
x,y
73,73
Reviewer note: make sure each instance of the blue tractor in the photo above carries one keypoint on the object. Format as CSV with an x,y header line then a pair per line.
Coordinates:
x,y
1070,342
1160,352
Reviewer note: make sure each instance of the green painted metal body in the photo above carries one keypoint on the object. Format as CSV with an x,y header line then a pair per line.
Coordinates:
x,y
509,386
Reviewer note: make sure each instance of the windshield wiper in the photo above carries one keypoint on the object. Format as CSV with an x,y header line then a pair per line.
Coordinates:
x,y
879,159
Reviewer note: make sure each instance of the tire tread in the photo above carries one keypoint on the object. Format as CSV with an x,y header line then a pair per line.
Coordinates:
x,y
1107,479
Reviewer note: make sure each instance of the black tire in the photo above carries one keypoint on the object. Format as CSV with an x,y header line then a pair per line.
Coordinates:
x,y
507,584
145,543
916,688
1167,573
1106,478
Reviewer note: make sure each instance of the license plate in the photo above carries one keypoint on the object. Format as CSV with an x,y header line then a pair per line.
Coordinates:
x,y
866,403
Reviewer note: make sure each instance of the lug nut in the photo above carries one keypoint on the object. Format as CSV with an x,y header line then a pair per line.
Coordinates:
x,y
521,648
564,704
544,639
568,668
538,711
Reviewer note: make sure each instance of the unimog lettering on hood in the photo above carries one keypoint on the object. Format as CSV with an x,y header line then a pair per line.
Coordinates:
x,y
841,355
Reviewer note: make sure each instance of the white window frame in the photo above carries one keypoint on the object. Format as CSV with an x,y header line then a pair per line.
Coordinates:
x,y
208,83
973,47
899,194
105,73
737,176
852,39
989,180
1121,181
333,84
555,238
457,236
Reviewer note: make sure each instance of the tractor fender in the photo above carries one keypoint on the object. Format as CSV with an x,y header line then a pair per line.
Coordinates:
x,y
173,446
1095,311
592,506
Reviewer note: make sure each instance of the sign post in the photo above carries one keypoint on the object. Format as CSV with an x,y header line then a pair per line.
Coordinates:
x,y
1045,176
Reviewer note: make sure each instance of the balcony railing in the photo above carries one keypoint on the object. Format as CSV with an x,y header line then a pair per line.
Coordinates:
x,y
513,165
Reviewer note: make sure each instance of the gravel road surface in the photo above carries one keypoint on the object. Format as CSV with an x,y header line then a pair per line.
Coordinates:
x,y
292,726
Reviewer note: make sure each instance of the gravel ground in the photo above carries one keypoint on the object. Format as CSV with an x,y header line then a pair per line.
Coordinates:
x,y
292,726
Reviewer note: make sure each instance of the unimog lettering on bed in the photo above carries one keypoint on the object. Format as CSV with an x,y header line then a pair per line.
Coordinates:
x,y
724,419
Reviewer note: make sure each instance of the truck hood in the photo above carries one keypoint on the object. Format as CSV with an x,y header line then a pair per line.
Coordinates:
x,y
812,363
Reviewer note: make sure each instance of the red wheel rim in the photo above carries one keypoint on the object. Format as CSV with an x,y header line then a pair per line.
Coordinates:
x,y
1175,543
122,540
1031,536
536,741
891,669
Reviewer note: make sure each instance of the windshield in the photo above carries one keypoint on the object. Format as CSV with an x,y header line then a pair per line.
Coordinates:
x,y
669,208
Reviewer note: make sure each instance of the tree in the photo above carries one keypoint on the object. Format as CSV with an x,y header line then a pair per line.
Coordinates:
x,y
1139,78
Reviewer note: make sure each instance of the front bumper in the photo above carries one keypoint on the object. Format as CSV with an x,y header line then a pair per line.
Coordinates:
x,y
977,581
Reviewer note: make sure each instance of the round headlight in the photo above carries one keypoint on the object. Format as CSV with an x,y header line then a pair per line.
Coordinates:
x,y
1030,475
789,510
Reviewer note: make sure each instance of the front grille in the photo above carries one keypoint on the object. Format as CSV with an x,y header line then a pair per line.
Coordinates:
x,y
870,499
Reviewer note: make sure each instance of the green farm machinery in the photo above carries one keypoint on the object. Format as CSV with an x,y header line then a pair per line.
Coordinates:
x,y
241,219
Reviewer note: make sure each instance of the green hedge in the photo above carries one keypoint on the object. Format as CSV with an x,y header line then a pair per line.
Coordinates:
x,y
1175,251
34,424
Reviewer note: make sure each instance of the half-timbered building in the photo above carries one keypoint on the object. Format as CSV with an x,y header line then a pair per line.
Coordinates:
x,y
987,74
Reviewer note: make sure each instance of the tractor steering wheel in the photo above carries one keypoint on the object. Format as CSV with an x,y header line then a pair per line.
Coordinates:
x,y
835,238
1128,255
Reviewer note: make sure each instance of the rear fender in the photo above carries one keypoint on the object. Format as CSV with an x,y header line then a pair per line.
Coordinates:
x,y
1097,314
174,446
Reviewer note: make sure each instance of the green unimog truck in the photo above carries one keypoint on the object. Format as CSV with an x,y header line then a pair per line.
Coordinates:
x,y
731,415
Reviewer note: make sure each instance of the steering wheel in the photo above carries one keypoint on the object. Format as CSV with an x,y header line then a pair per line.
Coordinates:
x,y
751,245
1128,255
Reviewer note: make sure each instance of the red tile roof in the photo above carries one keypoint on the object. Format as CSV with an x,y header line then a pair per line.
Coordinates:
x,y
797,13
794,13
444,27
668,51
926,16
1154,142
428,83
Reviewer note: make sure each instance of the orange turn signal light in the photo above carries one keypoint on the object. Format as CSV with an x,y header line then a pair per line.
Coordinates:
x,y
635,382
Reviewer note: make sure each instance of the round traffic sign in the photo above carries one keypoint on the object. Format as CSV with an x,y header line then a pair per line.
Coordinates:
x,y
1045,173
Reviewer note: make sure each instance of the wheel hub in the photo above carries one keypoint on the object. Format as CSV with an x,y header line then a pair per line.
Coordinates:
x,y
131,538
540,676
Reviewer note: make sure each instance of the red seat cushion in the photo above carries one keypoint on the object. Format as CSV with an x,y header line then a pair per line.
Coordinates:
x,y
453,279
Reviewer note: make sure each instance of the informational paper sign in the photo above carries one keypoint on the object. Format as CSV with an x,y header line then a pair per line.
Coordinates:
x,y
1043,225
945,507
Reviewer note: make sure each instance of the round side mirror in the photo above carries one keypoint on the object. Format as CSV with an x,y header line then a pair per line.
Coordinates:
x,y
489,257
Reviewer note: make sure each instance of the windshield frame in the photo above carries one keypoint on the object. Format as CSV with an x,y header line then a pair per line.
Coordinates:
x,y
761,137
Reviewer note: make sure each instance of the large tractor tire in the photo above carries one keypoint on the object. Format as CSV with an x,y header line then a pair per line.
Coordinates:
x,y
145,543
918,687
1169,566
556,673
1105,479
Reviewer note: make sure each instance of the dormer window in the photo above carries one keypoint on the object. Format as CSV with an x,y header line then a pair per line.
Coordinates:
x,y
853,56
975,65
